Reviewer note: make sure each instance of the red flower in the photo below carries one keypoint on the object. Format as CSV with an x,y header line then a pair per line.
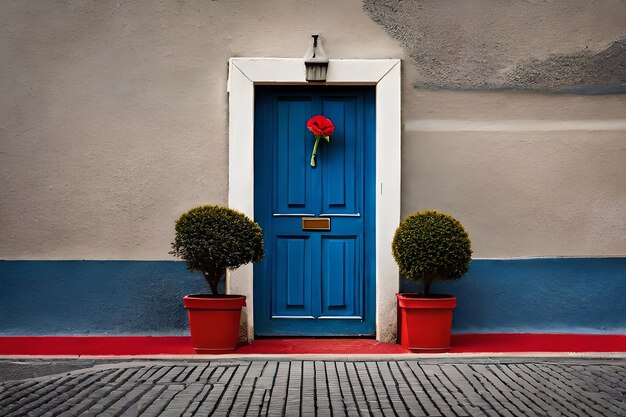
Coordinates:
x,y
320,126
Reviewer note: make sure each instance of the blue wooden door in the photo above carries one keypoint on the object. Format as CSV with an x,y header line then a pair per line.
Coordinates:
x,y
315,282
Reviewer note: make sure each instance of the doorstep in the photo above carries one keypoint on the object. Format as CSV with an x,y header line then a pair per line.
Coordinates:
x,y
497,344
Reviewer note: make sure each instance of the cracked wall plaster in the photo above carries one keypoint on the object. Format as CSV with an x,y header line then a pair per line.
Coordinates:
x,y
560,45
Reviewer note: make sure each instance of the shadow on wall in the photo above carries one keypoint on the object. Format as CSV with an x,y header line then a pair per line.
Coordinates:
x,y
489,45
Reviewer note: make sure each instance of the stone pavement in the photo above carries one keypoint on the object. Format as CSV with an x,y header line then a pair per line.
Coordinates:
x,y
409,387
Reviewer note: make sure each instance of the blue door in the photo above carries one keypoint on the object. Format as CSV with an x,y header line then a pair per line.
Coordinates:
x,y
313,281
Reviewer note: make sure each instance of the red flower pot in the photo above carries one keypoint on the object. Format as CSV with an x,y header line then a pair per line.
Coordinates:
x,y
425,323
214,321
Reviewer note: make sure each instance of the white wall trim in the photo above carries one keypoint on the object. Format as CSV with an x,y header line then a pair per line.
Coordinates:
x,y
521,125
244,73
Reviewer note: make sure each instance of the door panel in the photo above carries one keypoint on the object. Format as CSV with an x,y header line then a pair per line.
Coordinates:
x,y
291,163
339,175
340,273
291,294
314,282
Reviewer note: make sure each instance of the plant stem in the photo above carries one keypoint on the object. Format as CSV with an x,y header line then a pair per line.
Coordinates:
x,y
426,288
317,141
213,283
213,279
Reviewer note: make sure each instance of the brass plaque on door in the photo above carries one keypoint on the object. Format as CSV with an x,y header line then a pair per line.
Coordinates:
x,y
319,223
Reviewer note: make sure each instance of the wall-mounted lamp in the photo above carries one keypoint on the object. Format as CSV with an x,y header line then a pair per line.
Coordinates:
x,y
315,61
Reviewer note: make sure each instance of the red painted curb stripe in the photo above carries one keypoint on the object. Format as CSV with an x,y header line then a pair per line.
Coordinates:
x,y
498,342
176,345
95,345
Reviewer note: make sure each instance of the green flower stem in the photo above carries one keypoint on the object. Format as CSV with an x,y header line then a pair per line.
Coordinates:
x,y
317,141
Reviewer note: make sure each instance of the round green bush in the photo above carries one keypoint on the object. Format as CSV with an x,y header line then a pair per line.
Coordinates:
x,y
431,245
212,239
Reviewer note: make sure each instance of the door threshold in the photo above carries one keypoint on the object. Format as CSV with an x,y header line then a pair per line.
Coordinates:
x,y
319,345
341,337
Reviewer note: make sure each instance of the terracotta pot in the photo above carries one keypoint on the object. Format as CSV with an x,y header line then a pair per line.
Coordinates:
x,y
214,321
425,323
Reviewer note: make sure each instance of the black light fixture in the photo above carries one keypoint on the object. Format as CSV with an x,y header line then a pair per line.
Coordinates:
x,y
315,61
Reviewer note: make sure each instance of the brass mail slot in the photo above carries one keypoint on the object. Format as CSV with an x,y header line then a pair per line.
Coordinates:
x,y
319,223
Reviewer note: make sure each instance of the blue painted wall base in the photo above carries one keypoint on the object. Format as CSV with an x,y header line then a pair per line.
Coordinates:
x,y
95,297
555,295
542,295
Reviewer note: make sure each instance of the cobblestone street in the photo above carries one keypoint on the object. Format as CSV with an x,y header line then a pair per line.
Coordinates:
x,y
424,387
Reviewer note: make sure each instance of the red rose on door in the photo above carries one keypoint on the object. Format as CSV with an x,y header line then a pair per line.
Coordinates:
x,y
321,127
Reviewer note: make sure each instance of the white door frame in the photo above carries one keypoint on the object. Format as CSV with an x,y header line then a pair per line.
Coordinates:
x,y
243,74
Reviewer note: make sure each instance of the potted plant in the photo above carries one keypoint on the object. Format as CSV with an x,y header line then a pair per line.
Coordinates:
x,y
429,246
212,239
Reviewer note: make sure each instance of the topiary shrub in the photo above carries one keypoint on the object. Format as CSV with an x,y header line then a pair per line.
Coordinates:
x,y
212,239
429,246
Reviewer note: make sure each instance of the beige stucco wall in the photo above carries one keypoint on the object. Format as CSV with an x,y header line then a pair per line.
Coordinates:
x,y
114,114
113,122
528,174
